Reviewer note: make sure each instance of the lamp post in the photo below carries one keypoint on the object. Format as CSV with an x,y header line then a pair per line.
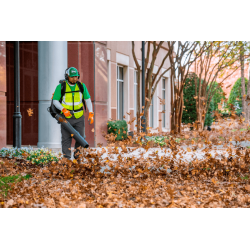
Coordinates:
x,y
143,119
17,117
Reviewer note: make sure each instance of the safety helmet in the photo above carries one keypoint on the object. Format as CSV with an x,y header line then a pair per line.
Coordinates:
x,y
70,72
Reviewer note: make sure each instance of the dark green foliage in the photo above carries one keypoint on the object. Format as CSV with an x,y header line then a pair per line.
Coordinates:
x,y
209,114
236,94
189,112
119,128
216,99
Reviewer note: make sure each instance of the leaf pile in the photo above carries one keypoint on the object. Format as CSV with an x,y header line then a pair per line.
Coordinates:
x,y
117,177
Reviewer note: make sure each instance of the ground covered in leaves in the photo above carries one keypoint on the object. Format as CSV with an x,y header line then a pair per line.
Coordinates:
x,y
115,177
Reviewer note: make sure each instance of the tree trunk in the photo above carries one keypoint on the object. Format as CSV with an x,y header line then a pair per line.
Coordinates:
x,y
181,111
176,116
201,113
138,122
146,119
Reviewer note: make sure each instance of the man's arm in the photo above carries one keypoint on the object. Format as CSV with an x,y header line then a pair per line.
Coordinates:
x,y
90,108
58,105
89,104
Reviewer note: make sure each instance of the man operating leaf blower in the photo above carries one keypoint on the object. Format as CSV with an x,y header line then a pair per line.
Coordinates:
x,y
69,99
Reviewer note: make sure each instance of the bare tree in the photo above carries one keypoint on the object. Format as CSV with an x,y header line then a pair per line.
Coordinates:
x,y
151,80
186,53
218,63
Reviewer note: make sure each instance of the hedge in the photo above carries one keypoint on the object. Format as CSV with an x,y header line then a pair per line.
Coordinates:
x,y
189,112
235,97
118,128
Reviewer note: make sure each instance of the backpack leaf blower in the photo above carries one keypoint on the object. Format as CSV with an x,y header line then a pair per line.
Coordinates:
x,y
55,113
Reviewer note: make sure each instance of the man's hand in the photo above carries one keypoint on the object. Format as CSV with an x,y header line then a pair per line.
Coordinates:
x,y
91,117
66,113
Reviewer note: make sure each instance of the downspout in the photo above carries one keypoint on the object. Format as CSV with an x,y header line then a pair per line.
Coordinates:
x,y
17,117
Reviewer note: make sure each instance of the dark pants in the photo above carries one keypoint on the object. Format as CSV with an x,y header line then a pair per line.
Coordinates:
x,y
78,125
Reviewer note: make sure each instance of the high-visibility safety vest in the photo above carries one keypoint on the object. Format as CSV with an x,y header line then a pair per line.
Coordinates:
x,y
72,100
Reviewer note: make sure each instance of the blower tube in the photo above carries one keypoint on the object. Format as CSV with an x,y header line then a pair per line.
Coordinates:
x,y
61,120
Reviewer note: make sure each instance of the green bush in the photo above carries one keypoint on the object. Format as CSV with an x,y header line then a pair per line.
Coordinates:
x,y
118,128
235,97
189,112
216,99
41,157
209,115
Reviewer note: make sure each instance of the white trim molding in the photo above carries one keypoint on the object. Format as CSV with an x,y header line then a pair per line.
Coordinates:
x,y
155,69
166,74
122,59
108,54
139,61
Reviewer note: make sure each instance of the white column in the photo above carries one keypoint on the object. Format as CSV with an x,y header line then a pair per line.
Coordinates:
x,y
52,63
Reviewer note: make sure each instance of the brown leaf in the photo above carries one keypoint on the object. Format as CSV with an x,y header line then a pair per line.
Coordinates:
x,y
30,112
247,187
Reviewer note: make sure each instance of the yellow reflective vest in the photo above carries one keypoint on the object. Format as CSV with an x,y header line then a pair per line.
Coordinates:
x,y
72,100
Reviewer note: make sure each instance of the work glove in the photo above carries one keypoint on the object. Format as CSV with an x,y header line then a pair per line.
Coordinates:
x,y
66,113
91,117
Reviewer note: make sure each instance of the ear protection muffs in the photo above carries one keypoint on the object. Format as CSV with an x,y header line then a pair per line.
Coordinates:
x,y
66,75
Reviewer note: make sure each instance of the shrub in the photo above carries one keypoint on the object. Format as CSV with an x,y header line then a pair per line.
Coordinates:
x,y
189,112
235,97
218,95
118,128
209,115
14,152
213,106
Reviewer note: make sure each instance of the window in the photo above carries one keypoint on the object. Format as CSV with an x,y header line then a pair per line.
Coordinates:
x,y
120,92
163,106
135,92
151,113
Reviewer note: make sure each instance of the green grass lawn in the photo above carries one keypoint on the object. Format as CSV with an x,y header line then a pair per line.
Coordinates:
x,y
6,180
